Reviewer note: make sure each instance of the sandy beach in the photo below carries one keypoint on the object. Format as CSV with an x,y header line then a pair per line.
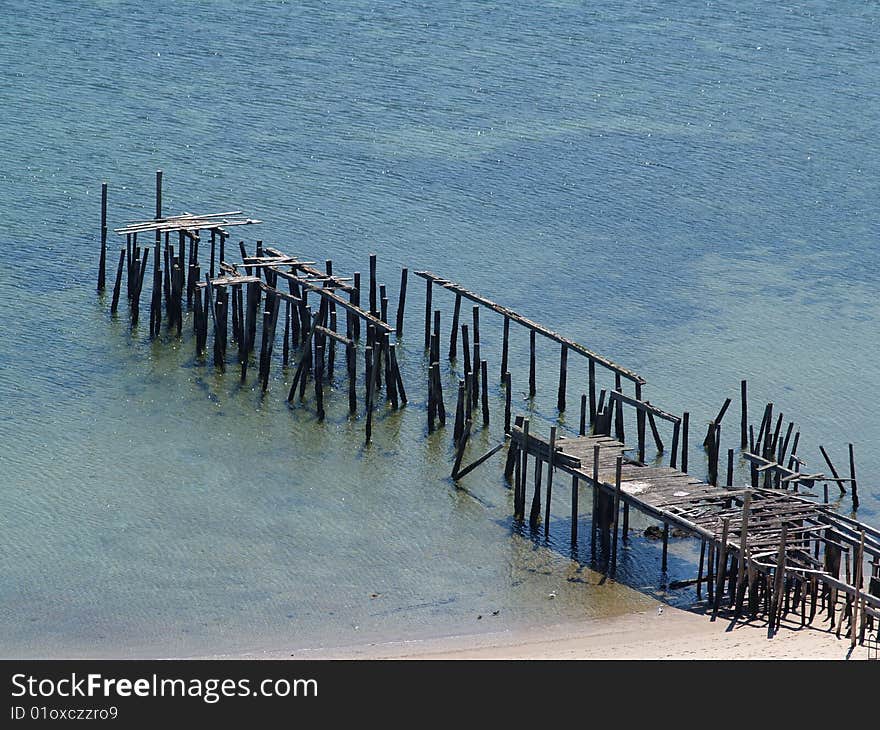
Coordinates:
x,y
670,634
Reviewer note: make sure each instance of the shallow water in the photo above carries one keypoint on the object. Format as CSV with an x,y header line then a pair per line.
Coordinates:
x,y
688,191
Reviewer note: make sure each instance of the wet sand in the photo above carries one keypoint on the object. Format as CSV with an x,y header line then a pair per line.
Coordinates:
x,y
670,634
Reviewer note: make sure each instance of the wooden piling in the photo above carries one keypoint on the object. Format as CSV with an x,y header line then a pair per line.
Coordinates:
x,y
114,304
373,309
505,346
563,375
684,441
833,470
458,428
531,363
640,425
664,563
507,395
744,415
722,567
355,298
592,389
583,422
551,454
485,393
401,301
476,357
453,332
853,485
524,461
466,348
427,313
102,262
617,487
700,569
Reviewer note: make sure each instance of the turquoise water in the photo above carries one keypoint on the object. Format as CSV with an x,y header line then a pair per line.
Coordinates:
x,y
688,190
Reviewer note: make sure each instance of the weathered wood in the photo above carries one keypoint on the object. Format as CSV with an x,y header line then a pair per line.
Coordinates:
x,y
722,567
551,452
114,304
563,376
531,363
616,513
716,422
532,326
854,488
428,292
485,392
664,562
458,428
102,261
744,415
489,454
401,301
684,441
453,333
507,395
640,425
504,341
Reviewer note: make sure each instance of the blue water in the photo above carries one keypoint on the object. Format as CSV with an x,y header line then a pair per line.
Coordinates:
x,y
688,189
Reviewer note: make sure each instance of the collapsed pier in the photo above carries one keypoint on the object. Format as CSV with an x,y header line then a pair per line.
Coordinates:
x,y
768,548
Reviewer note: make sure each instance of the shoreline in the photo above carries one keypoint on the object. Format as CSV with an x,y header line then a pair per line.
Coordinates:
x,y
668,634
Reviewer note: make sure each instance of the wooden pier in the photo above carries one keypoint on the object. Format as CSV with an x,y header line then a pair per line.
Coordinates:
x,y
771,547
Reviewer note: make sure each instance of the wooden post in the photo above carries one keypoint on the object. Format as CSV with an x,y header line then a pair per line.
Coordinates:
x,y
453,333
507,387
485,393
355,297
700,569
435,338
476,358
102,263
158,198
729,468
524,458
664,561
574,510
552,453
594,521
684,441
741,564
744,416
427,313
118,283
563,373
617,470
351,363
401,301
618,410
531,363
319,381
458,428
592,390
535,514
466,348
779,575
583,422
505,345
673,456
853,485
640,425
833,470
372,369
373,307
438,395
722,567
